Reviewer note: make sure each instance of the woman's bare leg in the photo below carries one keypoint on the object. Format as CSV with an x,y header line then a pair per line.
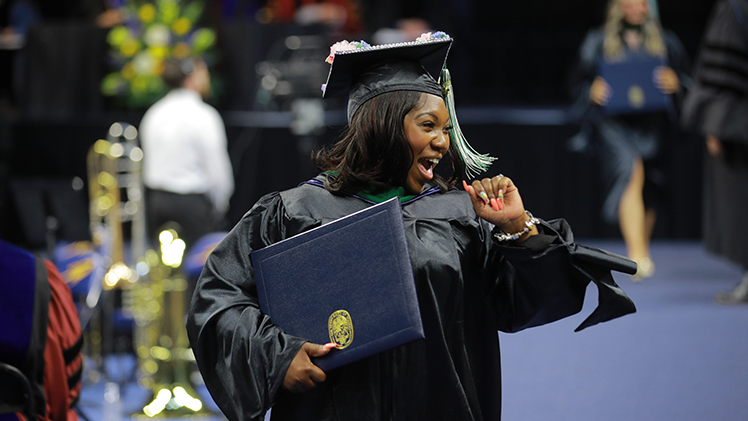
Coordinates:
x,y
635,221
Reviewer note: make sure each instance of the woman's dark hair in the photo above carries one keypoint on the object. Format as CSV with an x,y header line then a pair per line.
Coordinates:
x,y
374,152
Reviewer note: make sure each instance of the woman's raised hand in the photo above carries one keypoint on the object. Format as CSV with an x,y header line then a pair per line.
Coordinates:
x,y
497,200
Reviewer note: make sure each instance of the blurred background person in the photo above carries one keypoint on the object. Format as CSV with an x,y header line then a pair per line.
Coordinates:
x,y
106,14
631,146
43,341
717,108
16,17
186,166
103,13
404,29
393,21
339,16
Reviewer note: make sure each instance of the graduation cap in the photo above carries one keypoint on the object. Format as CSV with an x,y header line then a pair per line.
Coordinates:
x,y
362,71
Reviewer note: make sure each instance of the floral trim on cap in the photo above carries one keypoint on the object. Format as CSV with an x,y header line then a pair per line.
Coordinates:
x,y
426,36
344,46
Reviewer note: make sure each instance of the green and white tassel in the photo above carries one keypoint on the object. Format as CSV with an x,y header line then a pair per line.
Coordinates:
x,y
475,163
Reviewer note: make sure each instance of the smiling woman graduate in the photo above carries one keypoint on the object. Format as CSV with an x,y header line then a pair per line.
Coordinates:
x,y
481,262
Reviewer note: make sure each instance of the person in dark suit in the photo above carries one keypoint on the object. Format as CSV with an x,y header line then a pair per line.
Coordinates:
x,y
717,108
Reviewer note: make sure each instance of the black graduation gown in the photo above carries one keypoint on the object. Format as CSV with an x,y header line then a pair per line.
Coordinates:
x,y
618,140
468,287
718,105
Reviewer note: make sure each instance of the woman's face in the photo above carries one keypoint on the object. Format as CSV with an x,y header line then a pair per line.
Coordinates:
x,y
635,12
427,130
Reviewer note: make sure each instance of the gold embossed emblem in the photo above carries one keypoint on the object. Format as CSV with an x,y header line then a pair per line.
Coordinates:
x,y
636,97
340,326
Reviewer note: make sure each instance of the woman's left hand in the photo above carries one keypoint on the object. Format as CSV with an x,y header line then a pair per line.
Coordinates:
x,y
497,200
667,80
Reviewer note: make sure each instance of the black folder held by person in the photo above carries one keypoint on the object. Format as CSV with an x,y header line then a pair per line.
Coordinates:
x,y
349,282
632,86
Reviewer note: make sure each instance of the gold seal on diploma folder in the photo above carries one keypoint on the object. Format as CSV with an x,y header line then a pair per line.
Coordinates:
x,y
340,325
637,99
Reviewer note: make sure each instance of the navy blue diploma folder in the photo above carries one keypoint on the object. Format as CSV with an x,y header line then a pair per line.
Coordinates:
x,y
349,282
632,85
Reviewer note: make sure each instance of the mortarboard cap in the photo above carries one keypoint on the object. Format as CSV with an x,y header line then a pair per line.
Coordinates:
x,y
367,71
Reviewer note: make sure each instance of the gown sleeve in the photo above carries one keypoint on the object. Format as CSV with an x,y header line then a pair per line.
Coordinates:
x,y
241,354
679,62
585,71
539,285
718,103
579,83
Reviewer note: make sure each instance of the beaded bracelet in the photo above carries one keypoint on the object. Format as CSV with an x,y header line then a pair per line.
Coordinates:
x,y
502,236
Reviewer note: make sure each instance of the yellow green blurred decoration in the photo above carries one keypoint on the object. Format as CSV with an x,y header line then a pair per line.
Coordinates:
x,y
151,32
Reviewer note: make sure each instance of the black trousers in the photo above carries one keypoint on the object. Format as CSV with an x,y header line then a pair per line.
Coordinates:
x,y
193,215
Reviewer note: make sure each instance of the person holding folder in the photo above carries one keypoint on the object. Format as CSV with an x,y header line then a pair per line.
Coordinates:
x,y
630,142
480,261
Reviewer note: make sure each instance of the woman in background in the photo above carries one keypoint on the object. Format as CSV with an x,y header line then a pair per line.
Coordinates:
x,y
630,145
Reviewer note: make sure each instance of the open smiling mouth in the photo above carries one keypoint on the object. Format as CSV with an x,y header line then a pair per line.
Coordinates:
x,y
427,166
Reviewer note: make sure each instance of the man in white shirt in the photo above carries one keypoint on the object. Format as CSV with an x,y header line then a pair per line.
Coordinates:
x,y
186,170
